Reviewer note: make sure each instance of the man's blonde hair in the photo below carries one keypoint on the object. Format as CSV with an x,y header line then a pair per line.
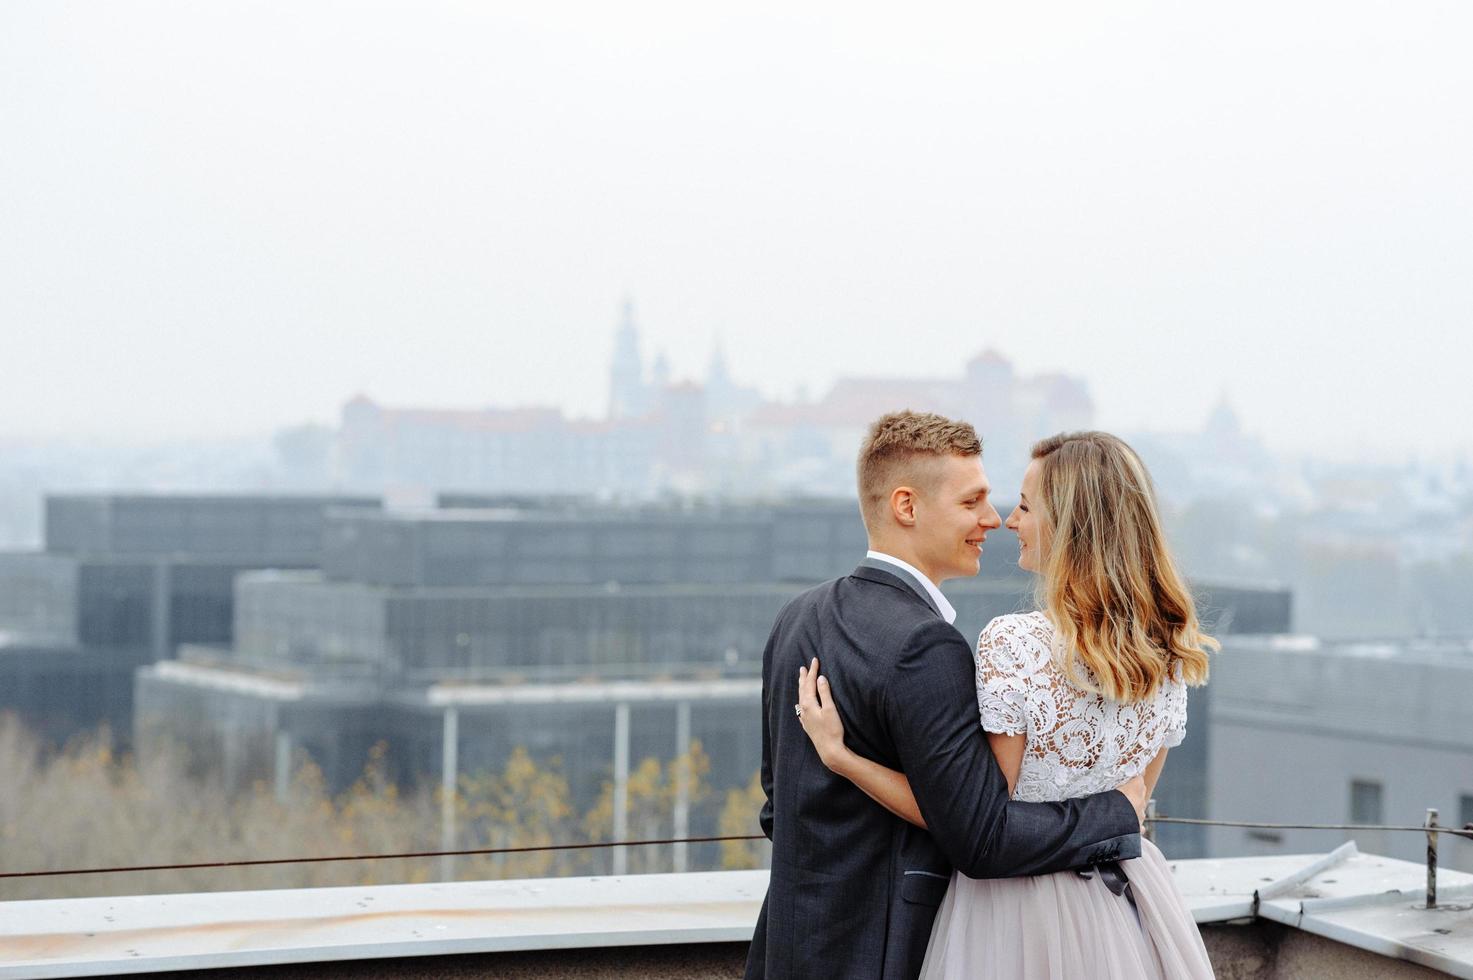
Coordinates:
x,y
901,449
1126,618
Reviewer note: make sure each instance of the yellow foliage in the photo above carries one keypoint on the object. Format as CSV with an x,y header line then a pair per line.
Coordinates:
x,y
87,806
739,819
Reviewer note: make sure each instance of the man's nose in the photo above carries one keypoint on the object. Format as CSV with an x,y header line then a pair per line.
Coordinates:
x,y
991,519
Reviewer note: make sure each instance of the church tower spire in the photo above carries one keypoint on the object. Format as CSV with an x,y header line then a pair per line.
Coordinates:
x,y
626,371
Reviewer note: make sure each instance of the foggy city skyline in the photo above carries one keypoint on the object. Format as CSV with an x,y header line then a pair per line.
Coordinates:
x,y
417,422
226,220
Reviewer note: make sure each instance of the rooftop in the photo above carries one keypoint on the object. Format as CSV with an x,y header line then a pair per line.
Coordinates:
x,y
1368,913
1455,651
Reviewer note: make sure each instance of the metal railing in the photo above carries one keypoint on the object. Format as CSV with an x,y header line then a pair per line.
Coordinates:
x,y
403,855
1152,820
1429,826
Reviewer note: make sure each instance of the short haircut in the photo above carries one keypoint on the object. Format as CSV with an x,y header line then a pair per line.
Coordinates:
x,y
901,449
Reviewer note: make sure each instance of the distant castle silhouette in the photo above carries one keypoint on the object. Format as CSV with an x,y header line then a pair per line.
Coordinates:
x,y
713,437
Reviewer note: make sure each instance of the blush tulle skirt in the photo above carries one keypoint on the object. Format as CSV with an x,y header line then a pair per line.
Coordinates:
x,y
1062,925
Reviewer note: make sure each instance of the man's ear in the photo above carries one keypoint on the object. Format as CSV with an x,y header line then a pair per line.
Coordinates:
x,y
903,506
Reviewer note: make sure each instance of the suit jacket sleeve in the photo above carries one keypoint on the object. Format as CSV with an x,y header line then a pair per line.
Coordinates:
x,y
930,708
765,816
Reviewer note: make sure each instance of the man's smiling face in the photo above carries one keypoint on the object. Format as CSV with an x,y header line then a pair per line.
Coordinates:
x,y
953,513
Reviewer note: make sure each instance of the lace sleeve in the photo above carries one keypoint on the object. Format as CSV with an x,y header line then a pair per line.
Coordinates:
x,y
1002,688
1176,713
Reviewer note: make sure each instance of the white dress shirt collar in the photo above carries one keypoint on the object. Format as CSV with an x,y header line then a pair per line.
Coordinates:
x,y
947,612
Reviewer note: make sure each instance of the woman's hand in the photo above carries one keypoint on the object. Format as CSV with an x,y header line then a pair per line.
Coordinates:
x,y
820,717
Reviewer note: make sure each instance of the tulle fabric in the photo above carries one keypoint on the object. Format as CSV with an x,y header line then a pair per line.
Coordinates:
x,y
1062,925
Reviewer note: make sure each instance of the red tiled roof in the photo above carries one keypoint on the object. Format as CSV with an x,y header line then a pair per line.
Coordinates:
x,y
484,420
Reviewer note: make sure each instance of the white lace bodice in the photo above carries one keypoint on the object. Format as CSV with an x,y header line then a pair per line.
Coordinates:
x,y
1078,743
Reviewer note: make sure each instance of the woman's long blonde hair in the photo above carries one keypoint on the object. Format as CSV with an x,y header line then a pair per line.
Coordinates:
x,y
1108,581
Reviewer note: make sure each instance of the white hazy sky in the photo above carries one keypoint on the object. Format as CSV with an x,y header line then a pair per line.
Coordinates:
x,y
219,218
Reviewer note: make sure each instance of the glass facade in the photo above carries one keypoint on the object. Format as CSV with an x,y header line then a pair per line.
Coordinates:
x,y
59,691
252,529
296,618
1366,801
125,580
38,597
117,607
583,594
594,546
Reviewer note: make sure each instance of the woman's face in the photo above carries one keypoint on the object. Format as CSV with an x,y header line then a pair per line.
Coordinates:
x,y
1025,522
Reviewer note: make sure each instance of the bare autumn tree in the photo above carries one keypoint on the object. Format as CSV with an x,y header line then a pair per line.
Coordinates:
x,y
86,806
525,805
739,818
653,792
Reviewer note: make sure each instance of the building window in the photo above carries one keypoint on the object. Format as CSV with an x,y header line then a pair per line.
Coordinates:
x,y
1365,801
1465,809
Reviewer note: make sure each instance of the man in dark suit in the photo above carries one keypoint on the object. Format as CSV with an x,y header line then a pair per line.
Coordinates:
x,y
854,888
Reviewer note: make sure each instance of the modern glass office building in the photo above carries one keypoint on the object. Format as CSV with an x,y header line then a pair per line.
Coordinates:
x,y
584,632
122,581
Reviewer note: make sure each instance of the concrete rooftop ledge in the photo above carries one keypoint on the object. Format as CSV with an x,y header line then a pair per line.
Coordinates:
x,y
1371,903
152,933
1361,901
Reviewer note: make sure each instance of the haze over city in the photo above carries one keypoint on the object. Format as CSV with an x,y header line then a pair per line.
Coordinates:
x,y
434,434
225,219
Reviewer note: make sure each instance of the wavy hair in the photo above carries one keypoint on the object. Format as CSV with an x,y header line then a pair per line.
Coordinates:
x,y
1122,609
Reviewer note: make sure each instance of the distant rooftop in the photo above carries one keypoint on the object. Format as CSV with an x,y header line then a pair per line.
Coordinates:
x,y
1280,685
564,514
274,526
1452,651
17,640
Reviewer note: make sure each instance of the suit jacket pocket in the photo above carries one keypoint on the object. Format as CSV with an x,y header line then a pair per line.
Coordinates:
x,y
924,887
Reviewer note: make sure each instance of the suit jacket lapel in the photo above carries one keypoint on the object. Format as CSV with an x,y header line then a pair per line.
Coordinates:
x,y
884,573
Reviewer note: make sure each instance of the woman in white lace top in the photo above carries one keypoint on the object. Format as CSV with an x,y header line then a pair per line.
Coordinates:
x,y
1075,698
1074,740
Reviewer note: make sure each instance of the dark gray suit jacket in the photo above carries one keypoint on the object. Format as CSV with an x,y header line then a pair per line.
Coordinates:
x,y
854,890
